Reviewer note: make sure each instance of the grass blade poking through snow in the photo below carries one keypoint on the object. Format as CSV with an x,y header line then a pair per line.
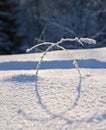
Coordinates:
x,y
82,41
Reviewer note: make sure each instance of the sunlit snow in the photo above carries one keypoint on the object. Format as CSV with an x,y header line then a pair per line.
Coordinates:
x,y
58,99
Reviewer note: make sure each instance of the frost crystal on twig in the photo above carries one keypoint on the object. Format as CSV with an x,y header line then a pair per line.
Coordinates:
x,y
87,40
82,41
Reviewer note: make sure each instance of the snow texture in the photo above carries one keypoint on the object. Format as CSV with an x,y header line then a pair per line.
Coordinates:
x,y
57,99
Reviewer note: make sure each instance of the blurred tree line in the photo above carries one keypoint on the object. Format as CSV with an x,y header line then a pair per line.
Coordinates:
x,y
24,23
12,33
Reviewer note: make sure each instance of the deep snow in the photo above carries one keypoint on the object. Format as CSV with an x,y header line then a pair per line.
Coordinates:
x,y
57,99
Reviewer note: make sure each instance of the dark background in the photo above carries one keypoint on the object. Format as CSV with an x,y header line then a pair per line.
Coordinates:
x,y
23,23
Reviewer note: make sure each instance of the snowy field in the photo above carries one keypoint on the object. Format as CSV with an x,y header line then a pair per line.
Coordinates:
x,y
58,99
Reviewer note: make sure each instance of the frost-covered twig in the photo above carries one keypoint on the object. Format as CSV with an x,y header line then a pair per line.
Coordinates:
x,y
40,44
74,60
82,41
41,59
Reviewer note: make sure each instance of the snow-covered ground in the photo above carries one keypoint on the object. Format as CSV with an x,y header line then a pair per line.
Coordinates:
x,y
57,99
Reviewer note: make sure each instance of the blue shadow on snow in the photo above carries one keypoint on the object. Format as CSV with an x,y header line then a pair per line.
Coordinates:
x,y
22,78
62,64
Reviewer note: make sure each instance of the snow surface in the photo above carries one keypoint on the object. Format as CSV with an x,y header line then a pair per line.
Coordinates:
x,y
57,99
